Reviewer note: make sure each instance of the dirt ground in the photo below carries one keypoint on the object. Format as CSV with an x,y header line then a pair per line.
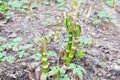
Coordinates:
x,y
100,60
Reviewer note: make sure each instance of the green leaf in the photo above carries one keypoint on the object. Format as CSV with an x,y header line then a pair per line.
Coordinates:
x,y
0,60
1,48
48,36
52,53
45,63
66,39
113,20
96,21
37,39
80,54
106,19
25,47
34,4
85,40
9,59
55,69
37,56
18,39
81,68
3,7
9,13
8,46
75,3
7,17
15,4
64,44
75,70
2,54
102,14
79,72
22,54
71,66
78,30
64,77
110,3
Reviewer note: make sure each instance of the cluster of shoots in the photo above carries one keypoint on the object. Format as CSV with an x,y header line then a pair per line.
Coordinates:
x,y
74,31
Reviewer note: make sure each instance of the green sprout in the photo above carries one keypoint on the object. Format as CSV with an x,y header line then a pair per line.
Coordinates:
x,y
74,31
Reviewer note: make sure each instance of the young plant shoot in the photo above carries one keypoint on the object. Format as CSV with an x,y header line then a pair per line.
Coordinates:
x,y
74,31
44,50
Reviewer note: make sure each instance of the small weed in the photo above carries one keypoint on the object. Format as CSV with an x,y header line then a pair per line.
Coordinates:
x,y
13,46
103,16
110,3
76,69
36,56
80,54
44,52
85,41
52,54
58,73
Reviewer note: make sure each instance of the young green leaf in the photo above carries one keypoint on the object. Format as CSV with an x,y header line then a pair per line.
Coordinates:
x,y
79,70
52,53
102,14
0,60
36,56
37,39
18,39
22,54
3,7
110,3
75,3
71,66
96,21
9,59
2,54
80,54
25,47
113,20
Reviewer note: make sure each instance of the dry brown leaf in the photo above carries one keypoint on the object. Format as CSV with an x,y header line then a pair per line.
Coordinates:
x,y
31,74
